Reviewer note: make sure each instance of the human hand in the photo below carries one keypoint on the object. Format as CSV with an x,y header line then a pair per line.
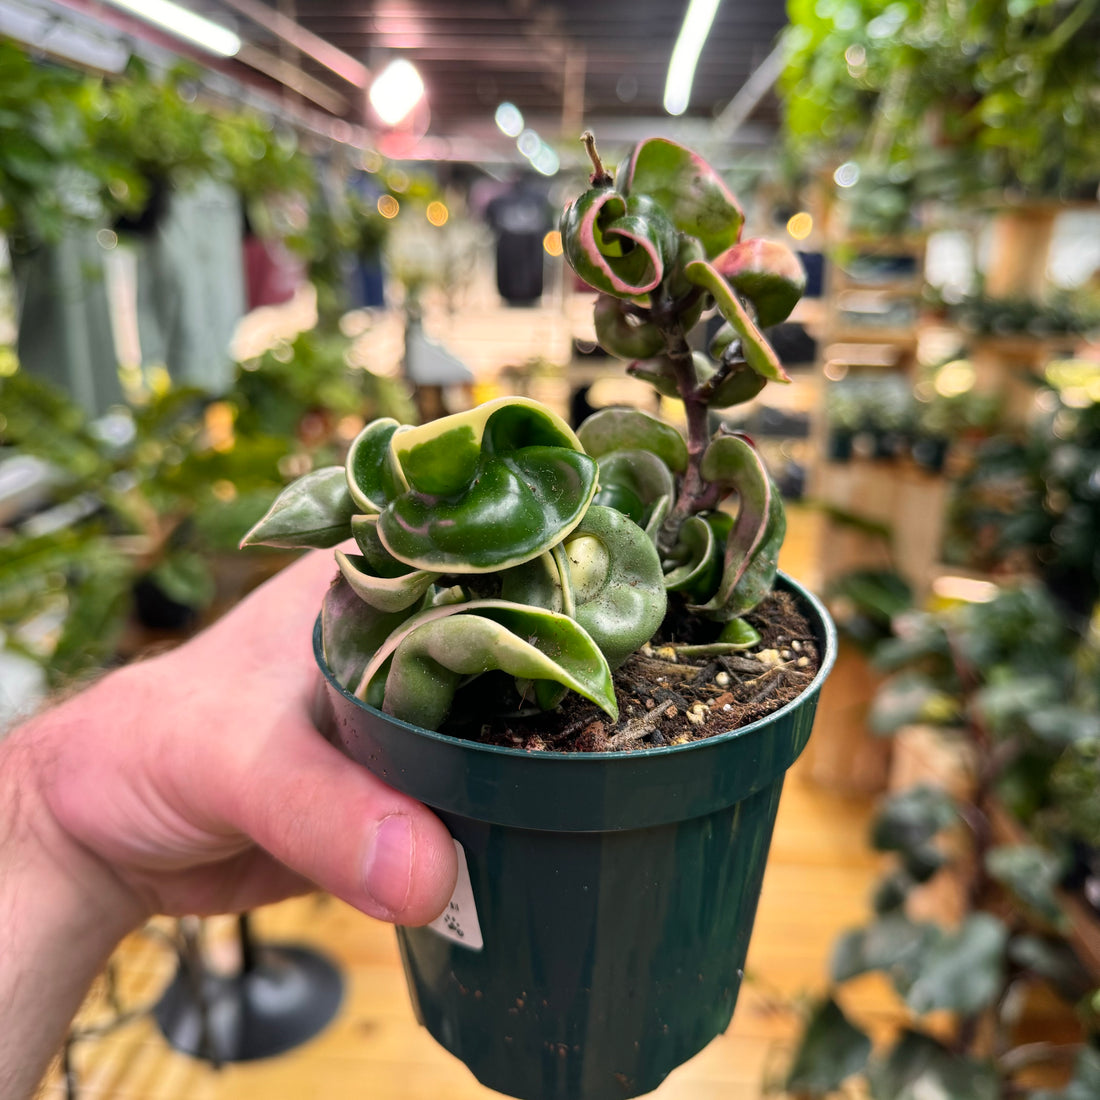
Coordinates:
x,y
198,781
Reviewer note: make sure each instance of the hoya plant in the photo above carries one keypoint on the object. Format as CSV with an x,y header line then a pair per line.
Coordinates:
x,y
499,541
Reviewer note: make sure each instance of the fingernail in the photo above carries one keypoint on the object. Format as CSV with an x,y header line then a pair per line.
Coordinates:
x,y
389,863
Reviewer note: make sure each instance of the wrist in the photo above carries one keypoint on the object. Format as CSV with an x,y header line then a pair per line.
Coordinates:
x,y
77,890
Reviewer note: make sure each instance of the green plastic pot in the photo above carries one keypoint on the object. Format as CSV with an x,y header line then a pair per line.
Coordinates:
x,y
601,938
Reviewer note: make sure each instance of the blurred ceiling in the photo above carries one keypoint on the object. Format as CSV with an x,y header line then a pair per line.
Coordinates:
x,y
566,64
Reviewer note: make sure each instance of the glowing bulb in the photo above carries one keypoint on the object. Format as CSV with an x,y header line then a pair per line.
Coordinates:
x,y
437,213
396,91
552,243
800,225
509,119
388,206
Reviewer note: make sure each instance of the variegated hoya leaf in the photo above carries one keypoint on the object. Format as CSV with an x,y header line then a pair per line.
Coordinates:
x,y
608,578
621,429
435,650
767,273
485,489
384,593
688,189
618,244
758,353
752,549
313,511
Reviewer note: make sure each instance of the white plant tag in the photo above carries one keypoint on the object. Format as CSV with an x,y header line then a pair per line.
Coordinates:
x,y
458,922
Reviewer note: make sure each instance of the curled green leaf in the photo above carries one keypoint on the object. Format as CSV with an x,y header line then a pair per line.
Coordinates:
x,y
314,511
384,593
634,482
487,489
623,333
758,353
689,190
619,429
617,244
767,273
372,476
435,650
752,550
610,581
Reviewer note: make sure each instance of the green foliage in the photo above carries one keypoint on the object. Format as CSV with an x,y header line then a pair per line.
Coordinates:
x,y
959,98
155,491
480,552
1030,502
79,149
498,541
832,1049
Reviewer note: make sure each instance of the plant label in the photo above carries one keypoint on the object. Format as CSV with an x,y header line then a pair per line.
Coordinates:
x,y
458,922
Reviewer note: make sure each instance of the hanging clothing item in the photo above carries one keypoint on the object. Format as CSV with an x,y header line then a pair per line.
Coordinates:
x,y
63,320
521,218
272,274
191,290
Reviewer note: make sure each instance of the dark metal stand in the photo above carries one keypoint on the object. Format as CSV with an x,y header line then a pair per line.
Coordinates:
x,y
281,996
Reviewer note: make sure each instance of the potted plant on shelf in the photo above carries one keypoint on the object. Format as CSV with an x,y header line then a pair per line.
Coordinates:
x,y
564,645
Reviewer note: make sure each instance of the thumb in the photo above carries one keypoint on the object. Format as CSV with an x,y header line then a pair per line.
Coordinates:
x,y
332,821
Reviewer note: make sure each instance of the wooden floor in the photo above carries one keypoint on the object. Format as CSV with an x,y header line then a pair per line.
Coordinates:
x,y
817,884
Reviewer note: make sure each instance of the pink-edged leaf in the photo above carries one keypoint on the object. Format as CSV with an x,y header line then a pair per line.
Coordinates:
x,y
748,569
766,272
758,353
616,246
693,195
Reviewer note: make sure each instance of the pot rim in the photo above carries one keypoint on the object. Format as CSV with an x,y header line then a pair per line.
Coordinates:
x,y
828,658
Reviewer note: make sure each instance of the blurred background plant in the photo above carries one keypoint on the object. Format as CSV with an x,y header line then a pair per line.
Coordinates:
x,y
960,100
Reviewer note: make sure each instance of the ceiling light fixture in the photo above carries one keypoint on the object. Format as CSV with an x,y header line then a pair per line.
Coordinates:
x,y
685,54
204,33
396,91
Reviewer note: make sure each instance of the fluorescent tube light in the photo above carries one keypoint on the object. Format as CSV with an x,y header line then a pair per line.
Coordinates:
x,y
204,33
685,54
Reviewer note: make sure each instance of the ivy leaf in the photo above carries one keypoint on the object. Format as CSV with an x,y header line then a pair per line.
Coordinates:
x,y
918,1067
1061,724
314,511
688,189
964,970
893,944
433,651
619,429
1033,874
831,1050
908,698
1053,959
908,820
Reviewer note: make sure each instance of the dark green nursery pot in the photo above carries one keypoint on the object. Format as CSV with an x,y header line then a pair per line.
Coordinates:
x,y
611,895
